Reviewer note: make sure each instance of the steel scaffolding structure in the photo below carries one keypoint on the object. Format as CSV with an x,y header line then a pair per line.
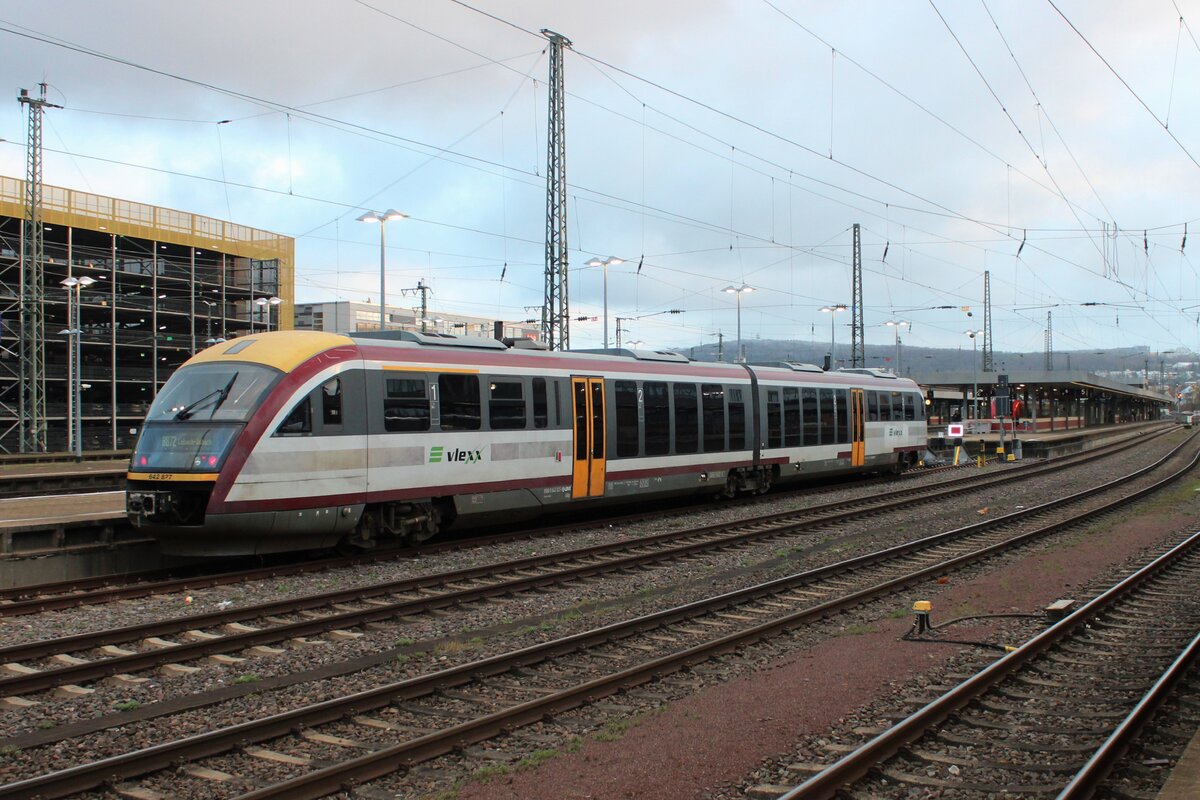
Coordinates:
x,y
160,282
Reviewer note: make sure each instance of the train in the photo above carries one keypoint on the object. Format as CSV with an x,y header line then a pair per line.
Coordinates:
x,y
309,440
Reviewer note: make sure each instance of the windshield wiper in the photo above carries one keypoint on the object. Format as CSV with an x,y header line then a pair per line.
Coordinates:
x,y
219,394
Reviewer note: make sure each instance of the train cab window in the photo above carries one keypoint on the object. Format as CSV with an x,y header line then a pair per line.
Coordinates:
x,y
791,417
919,406
506,405
298,421
540,409
842,405
910,411
774,419
872,407
405,405
626,394
459,396
812,416
687,419
712,404
897,407
828,417
657,406
885,406
737,420
331,402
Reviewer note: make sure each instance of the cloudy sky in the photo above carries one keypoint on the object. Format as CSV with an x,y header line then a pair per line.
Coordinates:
x,y
1054,143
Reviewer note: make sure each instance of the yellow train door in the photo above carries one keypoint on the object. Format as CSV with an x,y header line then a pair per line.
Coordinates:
x,y
587,399
858,439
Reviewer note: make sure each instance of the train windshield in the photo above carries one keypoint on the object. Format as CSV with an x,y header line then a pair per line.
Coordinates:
x,y
212,392
197,415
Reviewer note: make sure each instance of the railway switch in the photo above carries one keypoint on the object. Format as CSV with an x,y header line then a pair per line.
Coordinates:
x,y
922,608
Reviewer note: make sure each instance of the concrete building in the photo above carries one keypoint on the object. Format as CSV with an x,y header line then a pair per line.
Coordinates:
x,y
350,316
163,284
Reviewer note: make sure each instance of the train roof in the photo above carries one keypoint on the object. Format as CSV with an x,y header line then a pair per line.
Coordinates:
x,y
286,350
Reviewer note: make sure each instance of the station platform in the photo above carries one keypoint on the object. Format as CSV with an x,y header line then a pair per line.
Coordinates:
x,y
1047,443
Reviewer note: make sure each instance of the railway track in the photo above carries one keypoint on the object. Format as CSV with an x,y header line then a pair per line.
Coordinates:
x,y
74,660
1055,716
68,594
345,740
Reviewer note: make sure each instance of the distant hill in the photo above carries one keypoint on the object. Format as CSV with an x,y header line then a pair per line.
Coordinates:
x,y
925,359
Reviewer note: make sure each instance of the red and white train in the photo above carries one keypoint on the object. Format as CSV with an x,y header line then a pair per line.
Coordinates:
x,y
298,440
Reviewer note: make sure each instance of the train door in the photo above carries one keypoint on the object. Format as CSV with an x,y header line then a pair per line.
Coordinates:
x,y
587,400
858,443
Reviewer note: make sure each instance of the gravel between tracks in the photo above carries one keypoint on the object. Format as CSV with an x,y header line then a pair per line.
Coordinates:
x,y
709,739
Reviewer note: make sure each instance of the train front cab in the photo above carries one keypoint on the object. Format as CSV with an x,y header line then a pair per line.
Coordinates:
x,y
192,426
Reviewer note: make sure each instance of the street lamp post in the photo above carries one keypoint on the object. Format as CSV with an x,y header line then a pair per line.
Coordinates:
x,y
738,291
74,366
974,372
382,218
832,311
263,302
210,341
606,263
896,325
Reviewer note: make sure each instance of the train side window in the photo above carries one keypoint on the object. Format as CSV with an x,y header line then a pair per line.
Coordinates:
x,y
540,409
897,407
885,406
713,405
331,402
872,407
459,396
812,416
828,417
656,403
737,420
910,411
506,405
919,403
627,419
598,448
687,421
405,405
774,419
791,417
298,421
842,405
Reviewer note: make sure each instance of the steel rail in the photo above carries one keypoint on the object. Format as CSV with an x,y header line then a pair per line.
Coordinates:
x,y
318,783
1089,777
67,594
92,670
858,764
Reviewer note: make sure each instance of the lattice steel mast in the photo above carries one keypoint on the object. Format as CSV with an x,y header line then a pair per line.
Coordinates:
x,y
1049,343
987,322
556,329
858,354
32,406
